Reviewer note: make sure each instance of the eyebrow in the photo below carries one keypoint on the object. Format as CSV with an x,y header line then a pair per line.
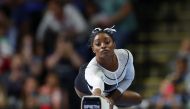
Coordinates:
x,y
96,40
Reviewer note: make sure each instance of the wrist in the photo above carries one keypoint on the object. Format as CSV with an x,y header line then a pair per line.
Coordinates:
x,y
111,101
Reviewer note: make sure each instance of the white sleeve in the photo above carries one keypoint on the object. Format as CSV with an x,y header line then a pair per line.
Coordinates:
x,y
76,17
43,26
129,77
94,78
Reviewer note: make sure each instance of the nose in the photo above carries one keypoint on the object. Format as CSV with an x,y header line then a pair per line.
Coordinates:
x,y
103,45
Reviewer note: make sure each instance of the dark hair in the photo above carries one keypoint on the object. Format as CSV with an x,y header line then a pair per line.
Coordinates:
x,y
109,31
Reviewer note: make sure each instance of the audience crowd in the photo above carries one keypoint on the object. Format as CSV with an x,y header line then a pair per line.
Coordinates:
x,y
44,42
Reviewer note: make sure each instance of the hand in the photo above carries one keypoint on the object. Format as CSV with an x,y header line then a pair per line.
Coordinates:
x,y
110,101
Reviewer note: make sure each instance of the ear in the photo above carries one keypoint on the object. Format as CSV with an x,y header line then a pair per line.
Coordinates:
x,y
114,45
93,49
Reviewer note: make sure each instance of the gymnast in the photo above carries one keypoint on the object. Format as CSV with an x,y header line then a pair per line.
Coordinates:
x,y
110,73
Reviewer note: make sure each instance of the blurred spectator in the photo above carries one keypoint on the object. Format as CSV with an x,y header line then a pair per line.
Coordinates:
x,y
3,98
51,94
167,98
13,82
185,50
187,81
26,14
26,48
65,61
180,73
38,50
87,7
8,29
64,51
7,41
119,13
179,79
37,69
30,93
173,91
63,18
32,57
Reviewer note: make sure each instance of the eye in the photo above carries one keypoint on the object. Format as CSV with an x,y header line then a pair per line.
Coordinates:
x,y
97,43
107,41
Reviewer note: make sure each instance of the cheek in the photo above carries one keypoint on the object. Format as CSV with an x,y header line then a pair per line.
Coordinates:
x,y
112,46
96,49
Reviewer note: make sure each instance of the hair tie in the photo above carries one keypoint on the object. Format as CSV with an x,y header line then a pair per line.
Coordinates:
x,y
96,30
110,30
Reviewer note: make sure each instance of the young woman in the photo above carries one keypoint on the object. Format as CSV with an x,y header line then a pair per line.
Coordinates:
x,y
109,73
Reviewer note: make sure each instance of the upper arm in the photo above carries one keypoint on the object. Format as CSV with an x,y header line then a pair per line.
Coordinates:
x,y
130,73
130,56
94,78
130,67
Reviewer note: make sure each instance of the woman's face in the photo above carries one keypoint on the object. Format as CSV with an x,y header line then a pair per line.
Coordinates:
x,y
103,45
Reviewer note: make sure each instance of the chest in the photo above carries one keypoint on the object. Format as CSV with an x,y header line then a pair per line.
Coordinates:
x,y
118,75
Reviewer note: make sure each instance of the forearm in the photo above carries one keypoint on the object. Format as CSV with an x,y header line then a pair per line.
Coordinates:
x,y
113,97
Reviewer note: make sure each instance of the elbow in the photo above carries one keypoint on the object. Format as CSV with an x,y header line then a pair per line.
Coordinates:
x,y
138,99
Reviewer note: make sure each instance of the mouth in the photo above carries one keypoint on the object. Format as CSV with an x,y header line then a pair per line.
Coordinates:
x,y
104,51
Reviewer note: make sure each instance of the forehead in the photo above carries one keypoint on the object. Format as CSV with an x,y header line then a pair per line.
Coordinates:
x,y
101,36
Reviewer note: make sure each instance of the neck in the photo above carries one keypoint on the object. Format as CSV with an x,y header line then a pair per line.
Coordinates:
x,y
109,63
104,61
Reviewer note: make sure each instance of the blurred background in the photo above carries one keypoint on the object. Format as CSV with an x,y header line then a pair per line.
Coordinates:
x,y
44,42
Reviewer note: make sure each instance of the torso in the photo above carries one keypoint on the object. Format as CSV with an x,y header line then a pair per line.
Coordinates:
x,y
110,64
112,77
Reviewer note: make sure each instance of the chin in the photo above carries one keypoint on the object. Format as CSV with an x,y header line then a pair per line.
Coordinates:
x,y
105,56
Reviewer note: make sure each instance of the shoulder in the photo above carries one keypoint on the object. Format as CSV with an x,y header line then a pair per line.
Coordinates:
x,y
124,52
93,62
92,66
92,70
